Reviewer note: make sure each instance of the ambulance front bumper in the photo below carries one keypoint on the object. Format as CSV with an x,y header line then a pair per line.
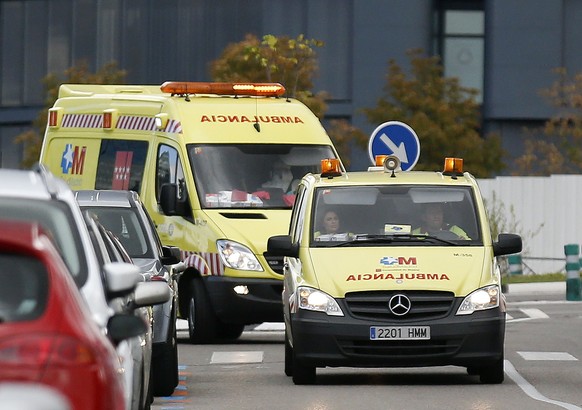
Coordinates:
x,y
469,340
245,300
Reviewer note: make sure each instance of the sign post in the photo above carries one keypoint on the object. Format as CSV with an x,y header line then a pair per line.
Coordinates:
x,y
395,138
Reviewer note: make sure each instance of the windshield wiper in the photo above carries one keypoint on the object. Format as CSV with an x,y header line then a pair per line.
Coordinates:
x,y
365,238
434,238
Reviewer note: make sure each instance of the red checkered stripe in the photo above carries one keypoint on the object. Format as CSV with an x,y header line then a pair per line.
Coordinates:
x,y
206,263
134,122
82,121
125,122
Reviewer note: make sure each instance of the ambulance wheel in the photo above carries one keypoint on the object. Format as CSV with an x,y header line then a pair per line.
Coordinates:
x,y
201,319
493,374
230,331
301,373
288,357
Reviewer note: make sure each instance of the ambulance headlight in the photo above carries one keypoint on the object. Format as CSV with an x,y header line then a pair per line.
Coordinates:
x,y
318,301
237,256
481,299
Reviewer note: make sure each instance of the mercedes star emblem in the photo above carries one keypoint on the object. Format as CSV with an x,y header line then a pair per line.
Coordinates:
x,y
399,304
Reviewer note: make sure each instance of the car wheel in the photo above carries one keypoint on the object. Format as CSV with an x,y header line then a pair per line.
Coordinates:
x,y
230,331
288,357
493,374
165,366
202,323
149,398
301,373
145,397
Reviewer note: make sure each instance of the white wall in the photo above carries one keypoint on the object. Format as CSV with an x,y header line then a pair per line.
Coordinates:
x,y
553,201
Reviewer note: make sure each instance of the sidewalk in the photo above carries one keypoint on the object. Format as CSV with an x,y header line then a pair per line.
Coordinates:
x,y
537,288
537,291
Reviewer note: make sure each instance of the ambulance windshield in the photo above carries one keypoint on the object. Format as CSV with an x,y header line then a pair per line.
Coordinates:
x,y
417,215
252,175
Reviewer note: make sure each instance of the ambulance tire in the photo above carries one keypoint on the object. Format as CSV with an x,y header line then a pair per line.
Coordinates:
x,y
202,322
230,331
288,358
493,374
301,373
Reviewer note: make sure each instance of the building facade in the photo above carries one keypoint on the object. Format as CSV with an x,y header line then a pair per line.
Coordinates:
x,y
505,48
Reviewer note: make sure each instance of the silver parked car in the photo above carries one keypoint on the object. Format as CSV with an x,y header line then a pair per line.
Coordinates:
x,y
123,213
37,195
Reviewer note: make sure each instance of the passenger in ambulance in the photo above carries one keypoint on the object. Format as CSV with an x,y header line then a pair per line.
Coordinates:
x,y
433,223
281,177
330,228
275,189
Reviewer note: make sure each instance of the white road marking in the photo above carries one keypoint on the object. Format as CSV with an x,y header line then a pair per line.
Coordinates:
x,y
270,326
557,356
531,391
236,357
535,313
532,313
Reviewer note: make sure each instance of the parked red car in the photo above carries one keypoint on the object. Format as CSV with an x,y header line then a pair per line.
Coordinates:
x,y
46,332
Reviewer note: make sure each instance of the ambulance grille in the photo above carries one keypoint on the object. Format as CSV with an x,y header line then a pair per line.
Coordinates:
x,y
399,351
373,305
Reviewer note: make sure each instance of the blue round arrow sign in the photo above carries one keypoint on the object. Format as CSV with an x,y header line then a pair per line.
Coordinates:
x,y
395,138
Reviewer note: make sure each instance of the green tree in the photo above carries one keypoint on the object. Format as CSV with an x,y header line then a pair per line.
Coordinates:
x,y
555,149
444,114
77,74
291,62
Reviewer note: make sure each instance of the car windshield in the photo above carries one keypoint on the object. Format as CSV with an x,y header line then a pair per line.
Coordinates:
x,y
23,294
395,215
252,175
57,219
125,224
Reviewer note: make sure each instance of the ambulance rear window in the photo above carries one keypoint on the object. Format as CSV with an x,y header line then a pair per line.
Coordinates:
x,y
121,164
252,175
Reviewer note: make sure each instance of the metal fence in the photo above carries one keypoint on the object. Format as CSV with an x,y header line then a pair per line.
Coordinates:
x,y
546,211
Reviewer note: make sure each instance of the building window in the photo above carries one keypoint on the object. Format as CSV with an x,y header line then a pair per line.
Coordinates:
x,y
460,41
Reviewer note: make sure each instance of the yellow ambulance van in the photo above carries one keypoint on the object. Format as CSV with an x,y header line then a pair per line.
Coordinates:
x,y
216,165
392,269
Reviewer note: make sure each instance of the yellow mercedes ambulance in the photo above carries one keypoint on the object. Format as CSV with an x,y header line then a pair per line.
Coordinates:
x,y
216,165
392,269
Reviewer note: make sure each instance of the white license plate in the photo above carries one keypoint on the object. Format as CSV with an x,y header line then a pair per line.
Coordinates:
x,y
399,332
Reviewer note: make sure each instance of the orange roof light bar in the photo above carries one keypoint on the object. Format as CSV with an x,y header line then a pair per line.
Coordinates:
x,y
252,89
330,167
453,166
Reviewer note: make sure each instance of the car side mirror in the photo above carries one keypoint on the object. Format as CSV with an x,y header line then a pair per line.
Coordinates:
x,y
121,278
171,255
507,243
123,326
281,245
150,294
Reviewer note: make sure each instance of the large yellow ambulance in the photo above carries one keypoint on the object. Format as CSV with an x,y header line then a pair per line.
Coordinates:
x,y
216,164
392,269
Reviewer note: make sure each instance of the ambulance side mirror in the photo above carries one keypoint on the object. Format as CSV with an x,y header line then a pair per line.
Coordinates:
x,y
281,245
168,198
170,202
507,244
